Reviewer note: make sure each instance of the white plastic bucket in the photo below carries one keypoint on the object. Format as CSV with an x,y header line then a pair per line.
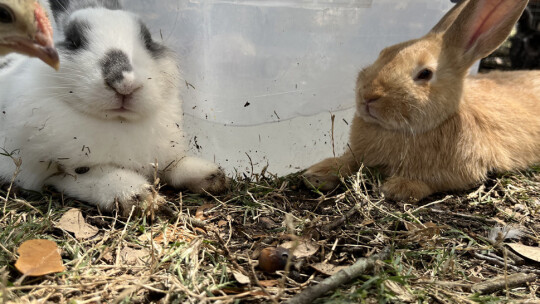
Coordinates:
x,y
262,78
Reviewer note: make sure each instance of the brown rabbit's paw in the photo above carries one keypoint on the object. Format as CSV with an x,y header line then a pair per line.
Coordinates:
x,y
214,183
403,189
322,176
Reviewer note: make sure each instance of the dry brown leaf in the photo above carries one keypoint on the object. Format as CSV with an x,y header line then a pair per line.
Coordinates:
x,y
429,228
132,256
39,257
202,211
231,290
327,269
269,283
304,249
173,235
367,222
267,223
258,293
423,234
240,277
73,221
401,293
529,252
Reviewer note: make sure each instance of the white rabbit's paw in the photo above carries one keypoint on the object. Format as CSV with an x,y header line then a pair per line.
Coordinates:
x,y
146,201
215,182
403,189
322,175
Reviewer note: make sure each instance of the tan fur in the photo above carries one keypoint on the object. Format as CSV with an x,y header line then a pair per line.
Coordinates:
x,y
449,132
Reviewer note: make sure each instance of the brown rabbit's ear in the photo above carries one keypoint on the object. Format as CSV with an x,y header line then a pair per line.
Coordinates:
x,y
449,18
481,27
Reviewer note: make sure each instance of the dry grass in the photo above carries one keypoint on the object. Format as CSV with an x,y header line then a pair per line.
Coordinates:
x,y
439,247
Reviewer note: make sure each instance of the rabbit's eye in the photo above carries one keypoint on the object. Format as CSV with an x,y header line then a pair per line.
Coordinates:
x,y
75,35
72,44
425,74
6,15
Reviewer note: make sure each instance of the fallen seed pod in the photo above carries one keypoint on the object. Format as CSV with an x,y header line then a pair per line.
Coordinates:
x,y
273,259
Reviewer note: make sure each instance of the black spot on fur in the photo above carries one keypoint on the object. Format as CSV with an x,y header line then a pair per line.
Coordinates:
x,y
75,36
157,50
113,65
82,170
5,63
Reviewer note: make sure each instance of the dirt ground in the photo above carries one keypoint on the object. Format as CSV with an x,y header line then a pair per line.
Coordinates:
x,y
269,239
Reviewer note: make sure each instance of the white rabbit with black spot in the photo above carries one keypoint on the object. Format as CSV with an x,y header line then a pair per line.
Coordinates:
x,y
94,129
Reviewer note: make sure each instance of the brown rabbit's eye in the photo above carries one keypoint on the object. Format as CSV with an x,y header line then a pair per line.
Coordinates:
x,y
425,74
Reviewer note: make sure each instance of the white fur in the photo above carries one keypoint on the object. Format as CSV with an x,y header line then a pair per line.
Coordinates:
x,y
54,131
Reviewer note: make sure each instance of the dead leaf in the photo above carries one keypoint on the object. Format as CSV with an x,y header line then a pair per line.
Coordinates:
x,y
237,291
202,211
73,221
240,277
327,269
304,249
267,223
269,283
367,222
429,229
401,293
136,257
230,290
423,234
174,235
529,252
108,257
39,257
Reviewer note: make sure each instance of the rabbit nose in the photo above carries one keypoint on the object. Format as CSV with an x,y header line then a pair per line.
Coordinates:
x,y
118,72
371,98
127,86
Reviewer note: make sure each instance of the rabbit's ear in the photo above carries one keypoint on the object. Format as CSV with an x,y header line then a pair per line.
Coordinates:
x,y
58,7
481,27
449,18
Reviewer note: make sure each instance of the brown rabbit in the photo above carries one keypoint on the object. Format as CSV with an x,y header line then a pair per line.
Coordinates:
x,y
427,125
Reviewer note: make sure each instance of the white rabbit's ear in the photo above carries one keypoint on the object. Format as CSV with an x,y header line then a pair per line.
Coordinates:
x,y
64,6
481,27
448,19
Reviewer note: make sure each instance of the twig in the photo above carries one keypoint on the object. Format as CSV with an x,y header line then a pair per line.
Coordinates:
x,y
333,118
344,276
464,286
331,251
465,216
504,282
285,275
253,277
251,163
271,207
18,163
11,254
503,264
122,235
432,203
333,225
27,204
228,254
